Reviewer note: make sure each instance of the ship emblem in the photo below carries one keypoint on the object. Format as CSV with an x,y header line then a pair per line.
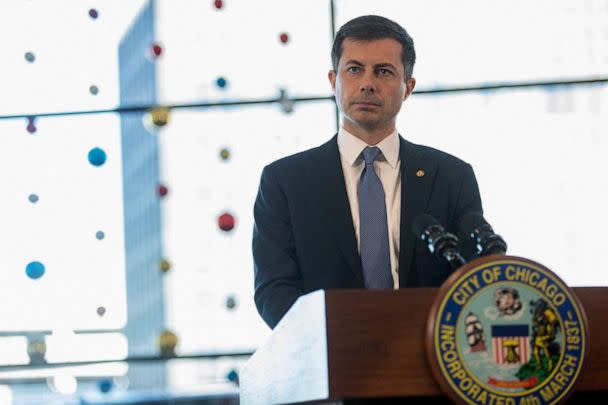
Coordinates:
x,y
474,332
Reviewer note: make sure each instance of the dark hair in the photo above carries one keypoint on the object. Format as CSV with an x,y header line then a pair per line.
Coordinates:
x,y
372,27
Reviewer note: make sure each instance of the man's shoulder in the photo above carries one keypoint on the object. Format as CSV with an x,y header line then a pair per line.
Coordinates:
x,y
303,159
434,155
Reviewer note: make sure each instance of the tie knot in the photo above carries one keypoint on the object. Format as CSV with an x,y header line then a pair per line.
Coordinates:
x,y
370,154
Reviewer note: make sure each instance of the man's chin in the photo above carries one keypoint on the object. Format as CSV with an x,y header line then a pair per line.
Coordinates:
x,y
368,124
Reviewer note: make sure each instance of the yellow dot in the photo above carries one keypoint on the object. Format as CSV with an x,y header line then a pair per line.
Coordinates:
x,y
168,342
165,266
160,116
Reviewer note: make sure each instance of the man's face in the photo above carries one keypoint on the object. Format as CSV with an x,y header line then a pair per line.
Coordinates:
x,y
369,84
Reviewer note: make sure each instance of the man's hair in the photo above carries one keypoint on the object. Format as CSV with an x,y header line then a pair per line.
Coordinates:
x,y
372,27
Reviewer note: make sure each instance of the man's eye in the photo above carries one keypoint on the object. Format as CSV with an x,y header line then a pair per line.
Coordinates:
x,y
385,72
353,69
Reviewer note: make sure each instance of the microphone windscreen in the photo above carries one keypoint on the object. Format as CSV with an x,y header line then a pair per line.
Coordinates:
x,y
422,222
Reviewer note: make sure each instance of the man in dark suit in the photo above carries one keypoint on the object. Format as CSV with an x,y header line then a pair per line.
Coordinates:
x,y
340,215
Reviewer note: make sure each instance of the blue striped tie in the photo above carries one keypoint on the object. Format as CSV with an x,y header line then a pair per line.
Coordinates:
x,y
375,255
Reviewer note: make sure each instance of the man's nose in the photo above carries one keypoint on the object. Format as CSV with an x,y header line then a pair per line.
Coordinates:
x,y
367,88
367,84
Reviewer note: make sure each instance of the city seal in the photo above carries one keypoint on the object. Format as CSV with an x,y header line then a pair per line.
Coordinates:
x,y
506,330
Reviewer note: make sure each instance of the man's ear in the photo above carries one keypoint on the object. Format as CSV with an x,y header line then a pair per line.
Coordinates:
x,y
409,87
331,75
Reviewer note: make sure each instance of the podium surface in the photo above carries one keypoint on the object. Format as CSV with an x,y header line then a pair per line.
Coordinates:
x,y
338,345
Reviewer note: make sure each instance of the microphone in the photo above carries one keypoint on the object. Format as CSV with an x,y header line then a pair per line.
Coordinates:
x,y
481,232
440,243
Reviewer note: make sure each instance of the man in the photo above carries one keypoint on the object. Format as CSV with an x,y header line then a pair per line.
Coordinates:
x,y
340,215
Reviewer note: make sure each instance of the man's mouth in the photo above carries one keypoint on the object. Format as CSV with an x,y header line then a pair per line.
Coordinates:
x,y
367,104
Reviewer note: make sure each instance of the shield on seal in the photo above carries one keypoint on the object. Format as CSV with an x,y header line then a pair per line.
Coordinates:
x,y
511,344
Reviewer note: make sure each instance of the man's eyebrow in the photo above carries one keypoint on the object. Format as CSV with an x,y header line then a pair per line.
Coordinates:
x,y
354,62
378,65
382,65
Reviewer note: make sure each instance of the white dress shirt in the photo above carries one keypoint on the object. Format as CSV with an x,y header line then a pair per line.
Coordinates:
x,y
387,167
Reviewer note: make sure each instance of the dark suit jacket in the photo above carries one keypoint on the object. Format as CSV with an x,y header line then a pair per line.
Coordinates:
x,y
304,238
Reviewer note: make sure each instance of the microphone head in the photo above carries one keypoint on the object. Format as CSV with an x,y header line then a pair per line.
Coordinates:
x,y
481,233
471,222
422,222
440,243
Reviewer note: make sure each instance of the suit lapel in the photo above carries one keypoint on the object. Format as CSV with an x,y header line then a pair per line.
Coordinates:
x,y
417,175
338,206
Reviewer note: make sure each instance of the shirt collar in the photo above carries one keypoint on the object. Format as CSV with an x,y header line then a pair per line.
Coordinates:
x,y
351,147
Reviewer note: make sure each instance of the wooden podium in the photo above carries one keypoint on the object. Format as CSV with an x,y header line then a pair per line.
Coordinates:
x,y
361,345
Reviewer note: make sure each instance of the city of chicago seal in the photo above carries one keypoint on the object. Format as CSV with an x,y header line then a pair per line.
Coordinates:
x,y
506,330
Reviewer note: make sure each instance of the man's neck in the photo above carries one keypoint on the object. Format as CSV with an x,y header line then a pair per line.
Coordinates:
x,y
372,137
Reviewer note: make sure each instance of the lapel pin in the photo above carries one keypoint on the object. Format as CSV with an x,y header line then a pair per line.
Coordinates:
x,y
420,173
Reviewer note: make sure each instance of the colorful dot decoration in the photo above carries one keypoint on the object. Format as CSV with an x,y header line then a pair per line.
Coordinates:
x,y
285,102
97,157
36,348
218,4
165,266
286,105
93,14
29,57
94,90
233,376
33,198
159,116
231,303
226,222
168,342
31,125
100,235
221,82
225,154
284,38
156,50
101,311
105,386
35,270
162,190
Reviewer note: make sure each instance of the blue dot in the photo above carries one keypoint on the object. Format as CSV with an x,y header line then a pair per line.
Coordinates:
x,y
233,376
100,235
97,156
221,82
34,270
33,198
105,386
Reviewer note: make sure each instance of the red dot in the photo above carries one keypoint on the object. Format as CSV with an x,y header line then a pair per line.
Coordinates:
x,y
218,4
31,124
226,222
162,190
156,50
284,38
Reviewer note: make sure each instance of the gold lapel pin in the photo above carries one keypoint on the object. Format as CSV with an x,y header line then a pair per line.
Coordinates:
x,y
420,173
